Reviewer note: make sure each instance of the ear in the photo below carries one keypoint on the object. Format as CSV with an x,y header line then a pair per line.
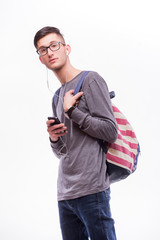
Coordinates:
x,y
41,60
68,49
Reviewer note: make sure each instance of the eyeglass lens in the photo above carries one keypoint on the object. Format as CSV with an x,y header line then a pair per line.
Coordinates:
x,y
53,46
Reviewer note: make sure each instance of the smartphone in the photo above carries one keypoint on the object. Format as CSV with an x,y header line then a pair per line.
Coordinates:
x,y
56,120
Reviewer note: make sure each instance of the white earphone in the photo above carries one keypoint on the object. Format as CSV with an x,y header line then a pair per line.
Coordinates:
x,y
67,53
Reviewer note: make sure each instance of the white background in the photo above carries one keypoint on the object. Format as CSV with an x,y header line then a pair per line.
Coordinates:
x,y
120,39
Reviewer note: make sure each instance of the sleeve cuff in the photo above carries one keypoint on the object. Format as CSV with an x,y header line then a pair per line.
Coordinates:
x,y
53,141
78,116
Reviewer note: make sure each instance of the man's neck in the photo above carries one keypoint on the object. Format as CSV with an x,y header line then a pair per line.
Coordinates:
x,y
66,74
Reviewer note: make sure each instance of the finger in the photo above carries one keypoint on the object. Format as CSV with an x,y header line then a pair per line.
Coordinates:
x,y
58,126
49,122
53,129
71,91
55,126
59,130
61,134
78,95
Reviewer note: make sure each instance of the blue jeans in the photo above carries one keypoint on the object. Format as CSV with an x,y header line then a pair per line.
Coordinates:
x,y
87,216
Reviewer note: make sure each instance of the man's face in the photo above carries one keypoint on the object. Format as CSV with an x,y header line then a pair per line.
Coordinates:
x,y
54,60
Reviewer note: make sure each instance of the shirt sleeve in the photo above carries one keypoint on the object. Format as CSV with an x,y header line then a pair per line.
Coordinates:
x,y
99,122
59,148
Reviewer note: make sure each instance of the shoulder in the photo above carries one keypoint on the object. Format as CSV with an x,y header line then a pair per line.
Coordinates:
x,y
94,75
94,78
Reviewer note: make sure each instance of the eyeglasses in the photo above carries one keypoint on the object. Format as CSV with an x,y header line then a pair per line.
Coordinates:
x,y
54,46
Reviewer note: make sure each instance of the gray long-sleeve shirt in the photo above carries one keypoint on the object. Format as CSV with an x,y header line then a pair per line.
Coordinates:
x,y
82,168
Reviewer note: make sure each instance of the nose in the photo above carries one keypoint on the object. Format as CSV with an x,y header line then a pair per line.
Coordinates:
x,y
49,52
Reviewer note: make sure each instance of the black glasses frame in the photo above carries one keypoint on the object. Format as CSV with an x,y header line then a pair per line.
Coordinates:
x,y
46,48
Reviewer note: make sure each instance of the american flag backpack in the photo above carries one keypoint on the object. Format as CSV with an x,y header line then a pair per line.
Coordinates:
x,y
122,155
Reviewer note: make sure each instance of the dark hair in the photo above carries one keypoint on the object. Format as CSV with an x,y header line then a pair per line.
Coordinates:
x,y
44,31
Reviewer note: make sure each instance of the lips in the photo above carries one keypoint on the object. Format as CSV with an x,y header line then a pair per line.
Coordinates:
x,y
53,60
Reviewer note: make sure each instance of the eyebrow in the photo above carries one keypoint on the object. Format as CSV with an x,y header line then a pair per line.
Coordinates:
x,y
47,45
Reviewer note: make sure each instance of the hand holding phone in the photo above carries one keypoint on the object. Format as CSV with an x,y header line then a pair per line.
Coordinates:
x,y
55,129
56,120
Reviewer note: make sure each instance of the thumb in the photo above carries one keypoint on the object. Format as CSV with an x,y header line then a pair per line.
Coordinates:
x,y
71,91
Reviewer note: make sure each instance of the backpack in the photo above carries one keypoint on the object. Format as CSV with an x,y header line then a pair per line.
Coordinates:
x,y
122,155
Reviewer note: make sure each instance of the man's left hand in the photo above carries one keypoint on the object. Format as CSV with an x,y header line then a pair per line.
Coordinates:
x,y
70,100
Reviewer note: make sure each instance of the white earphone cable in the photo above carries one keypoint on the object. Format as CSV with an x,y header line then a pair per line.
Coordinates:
x,y
60,153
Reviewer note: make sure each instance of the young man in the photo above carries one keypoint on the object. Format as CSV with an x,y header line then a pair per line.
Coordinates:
x,y
83,185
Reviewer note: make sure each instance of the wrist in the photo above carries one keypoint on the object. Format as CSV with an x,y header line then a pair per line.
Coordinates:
x,y
68,113
67,108
53,140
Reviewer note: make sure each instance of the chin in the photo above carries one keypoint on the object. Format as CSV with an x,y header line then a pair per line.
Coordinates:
x,y
55,67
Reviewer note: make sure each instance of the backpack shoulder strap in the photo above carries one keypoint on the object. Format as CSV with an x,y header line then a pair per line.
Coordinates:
x,y
77,89
55,97
112,94
79,85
